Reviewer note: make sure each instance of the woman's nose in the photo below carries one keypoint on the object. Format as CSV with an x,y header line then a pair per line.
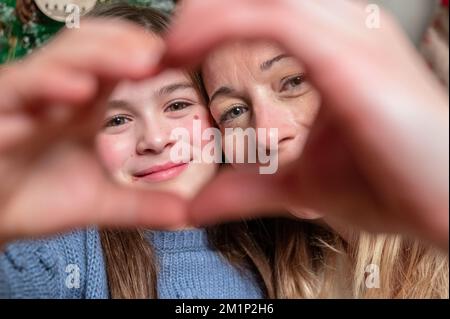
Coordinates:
x,y
153,138
278,122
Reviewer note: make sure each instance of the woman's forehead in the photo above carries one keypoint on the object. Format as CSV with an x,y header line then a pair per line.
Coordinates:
x,y
243,62
251,54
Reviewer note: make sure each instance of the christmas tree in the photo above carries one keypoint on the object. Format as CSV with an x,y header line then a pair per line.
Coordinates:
x,y
23,26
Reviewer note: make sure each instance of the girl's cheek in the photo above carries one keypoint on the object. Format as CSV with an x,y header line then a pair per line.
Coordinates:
x,y
206,121
114,150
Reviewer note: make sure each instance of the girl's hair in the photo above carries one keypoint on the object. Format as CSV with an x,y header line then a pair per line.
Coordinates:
x,y
291,259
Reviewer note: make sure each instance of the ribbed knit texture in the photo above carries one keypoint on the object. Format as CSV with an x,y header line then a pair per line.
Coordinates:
x,y
72,266
189,268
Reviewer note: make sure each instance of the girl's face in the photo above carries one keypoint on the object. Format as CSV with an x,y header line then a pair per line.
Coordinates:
x,y
259,86
135,141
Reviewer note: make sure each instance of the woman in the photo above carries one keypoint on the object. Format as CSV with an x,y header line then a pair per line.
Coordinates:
x,y
261,85
349,68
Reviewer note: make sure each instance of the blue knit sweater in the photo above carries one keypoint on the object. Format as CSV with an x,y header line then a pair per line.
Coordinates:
x,y
72,266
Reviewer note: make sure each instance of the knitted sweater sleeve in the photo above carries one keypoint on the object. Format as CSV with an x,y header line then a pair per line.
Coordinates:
x,y
63,266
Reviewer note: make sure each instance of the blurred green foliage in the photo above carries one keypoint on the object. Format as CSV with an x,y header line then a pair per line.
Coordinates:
x,y
18,39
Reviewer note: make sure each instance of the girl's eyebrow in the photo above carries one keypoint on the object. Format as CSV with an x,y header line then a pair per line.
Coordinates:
x,y
165,90
119,104
168,89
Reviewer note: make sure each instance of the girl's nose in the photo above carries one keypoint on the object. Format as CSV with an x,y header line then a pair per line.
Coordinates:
x,y
153,138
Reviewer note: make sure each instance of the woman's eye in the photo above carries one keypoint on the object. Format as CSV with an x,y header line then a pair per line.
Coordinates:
x,y
117,121
292,83
233,113
177,106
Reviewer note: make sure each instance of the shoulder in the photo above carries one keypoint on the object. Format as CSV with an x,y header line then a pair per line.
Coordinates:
x,y
61,266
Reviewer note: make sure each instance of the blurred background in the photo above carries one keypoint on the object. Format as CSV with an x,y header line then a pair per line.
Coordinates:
x,y
414,15
27,24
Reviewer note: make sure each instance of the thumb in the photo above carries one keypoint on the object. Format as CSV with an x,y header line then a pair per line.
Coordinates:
x,y
126,207
236,195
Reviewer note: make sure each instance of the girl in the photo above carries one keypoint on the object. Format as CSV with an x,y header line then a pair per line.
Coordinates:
x,y
135,144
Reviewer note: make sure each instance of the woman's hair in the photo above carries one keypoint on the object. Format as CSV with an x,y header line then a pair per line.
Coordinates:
x,y
290,259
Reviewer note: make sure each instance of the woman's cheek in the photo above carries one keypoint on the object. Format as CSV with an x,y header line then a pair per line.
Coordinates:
x,y
307,107
114,151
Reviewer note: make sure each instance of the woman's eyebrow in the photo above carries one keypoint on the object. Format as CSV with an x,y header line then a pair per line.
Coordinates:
x,y
168,89
266,65
222,91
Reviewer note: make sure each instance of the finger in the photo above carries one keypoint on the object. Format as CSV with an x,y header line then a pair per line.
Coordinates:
x,y
126,207
225,199
299,25
222,26
42,93
114,207
108,48
28,85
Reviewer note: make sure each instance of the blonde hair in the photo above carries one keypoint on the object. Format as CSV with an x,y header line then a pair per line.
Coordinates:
x,y
292,259
407,268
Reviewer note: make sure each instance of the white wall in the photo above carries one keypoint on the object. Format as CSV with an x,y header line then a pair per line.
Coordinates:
x,y
414,15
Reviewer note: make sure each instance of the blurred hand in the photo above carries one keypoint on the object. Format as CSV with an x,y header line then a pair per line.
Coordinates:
x,y
378,155
51,108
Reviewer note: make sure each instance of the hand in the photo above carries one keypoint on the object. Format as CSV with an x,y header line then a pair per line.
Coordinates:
x,y
378,155
50,111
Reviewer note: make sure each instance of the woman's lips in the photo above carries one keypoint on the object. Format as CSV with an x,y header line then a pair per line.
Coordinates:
x,y
161,173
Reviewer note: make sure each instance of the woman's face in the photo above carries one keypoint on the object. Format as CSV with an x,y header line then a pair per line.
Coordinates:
x,y
135,141
259,86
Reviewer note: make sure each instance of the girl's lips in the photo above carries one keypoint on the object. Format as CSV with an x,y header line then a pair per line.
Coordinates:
x,y
161,172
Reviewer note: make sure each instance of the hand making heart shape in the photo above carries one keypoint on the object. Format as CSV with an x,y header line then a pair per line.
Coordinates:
x,y
377,156
51,109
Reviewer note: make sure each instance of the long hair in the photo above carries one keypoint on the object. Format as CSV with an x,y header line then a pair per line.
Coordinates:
x,y
291,259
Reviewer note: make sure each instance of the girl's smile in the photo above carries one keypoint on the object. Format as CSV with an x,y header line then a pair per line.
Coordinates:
x,y
159,173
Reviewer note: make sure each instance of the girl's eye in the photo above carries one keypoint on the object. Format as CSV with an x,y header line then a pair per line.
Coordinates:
x,y
233,113
117,121
177,106
293,83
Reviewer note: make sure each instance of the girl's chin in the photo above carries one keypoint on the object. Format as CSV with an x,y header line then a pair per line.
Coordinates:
x,y
185,180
